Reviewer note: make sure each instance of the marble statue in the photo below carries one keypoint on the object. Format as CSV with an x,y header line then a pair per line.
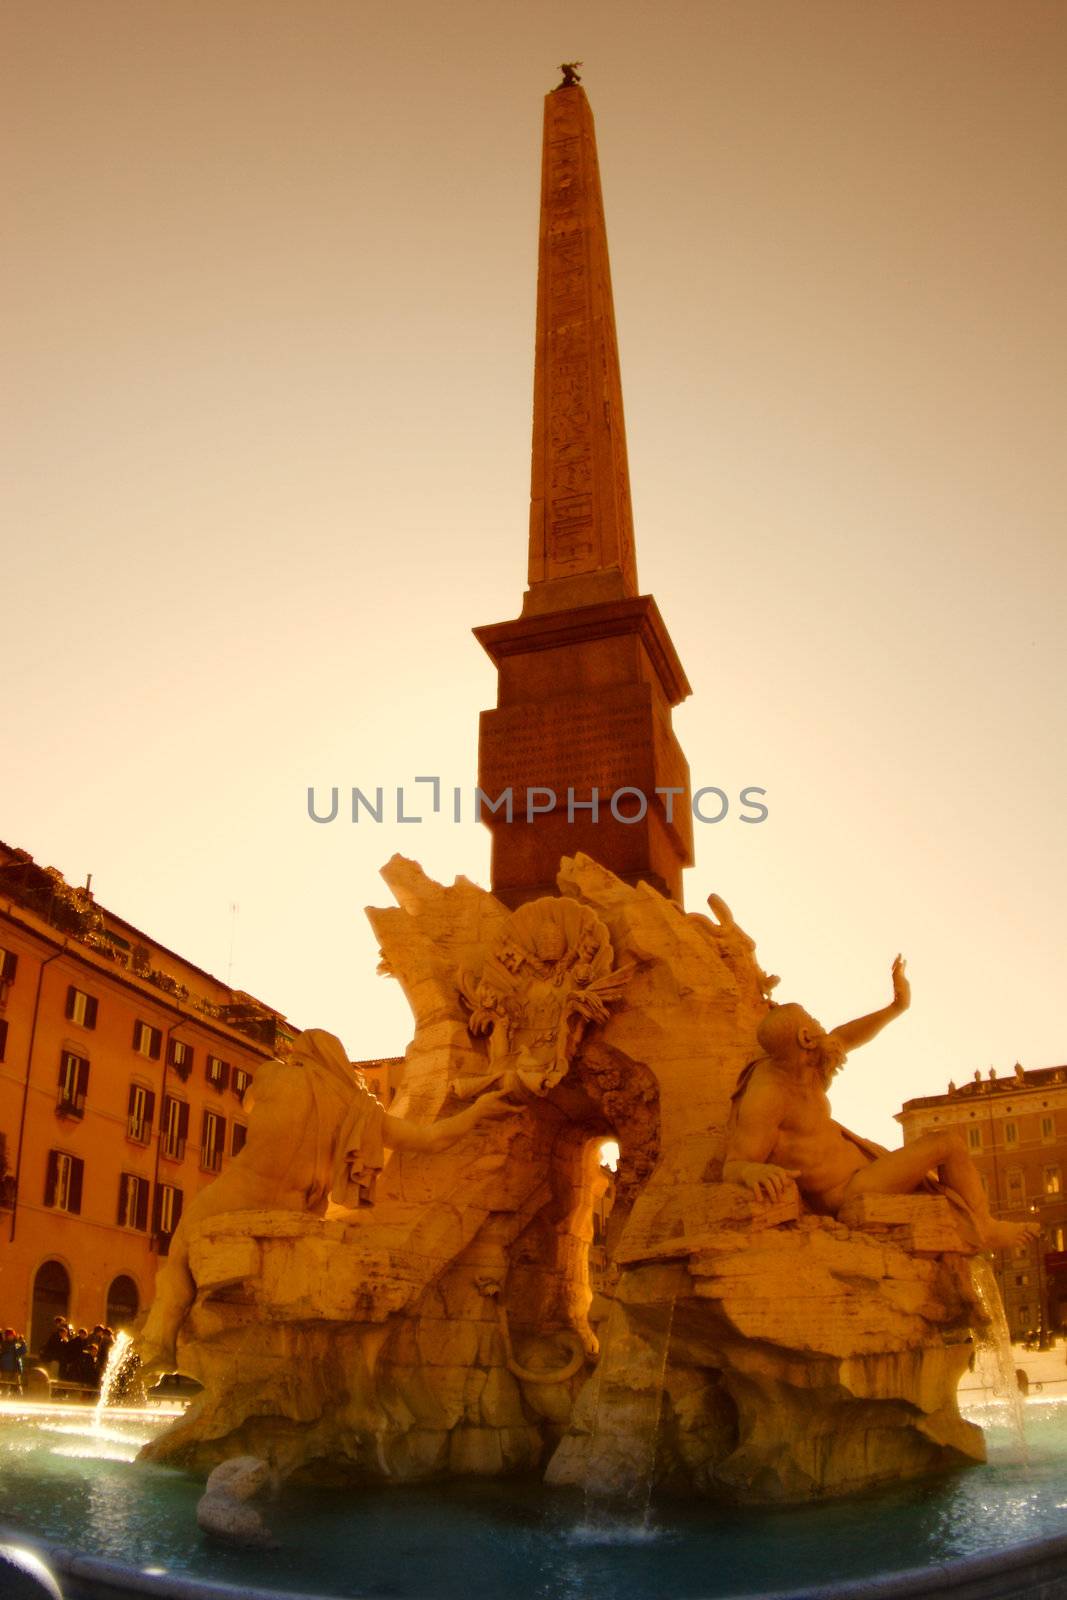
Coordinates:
x,y
548,977
781,1311
316,1137
733,943
781,1128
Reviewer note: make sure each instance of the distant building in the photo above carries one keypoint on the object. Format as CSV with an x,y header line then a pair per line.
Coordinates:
x,y
382,1076
124,1070
1016,1132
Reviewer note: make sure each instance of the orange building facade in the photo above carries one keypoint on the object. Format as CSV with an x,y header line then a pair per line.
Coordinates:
x,y
1016,1132
124,1071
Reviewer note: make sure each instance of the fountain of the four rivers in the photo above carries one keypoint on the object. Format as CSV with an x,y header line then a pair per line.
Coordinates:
x,y
374,1300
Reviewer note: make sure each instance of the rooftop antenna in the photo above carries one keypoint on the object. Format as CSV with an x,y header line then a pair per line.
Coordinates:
x,y
234,908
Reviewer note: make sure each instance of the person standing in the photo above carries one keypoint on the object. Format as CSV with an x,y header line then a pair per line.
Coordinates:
x,y
12,1358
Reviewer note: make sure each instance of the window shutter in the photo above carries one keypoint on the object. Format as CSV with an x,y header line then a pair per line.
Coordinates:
x,y
220,1142
137,1036
71,992
224,1076
10,963
51,1173
157,1207
83,1079
122,1200
76,1169
90,1012
3,1039
149,1111
183,1121
157,1043
176,1216
130,1101
62,1068
141,1219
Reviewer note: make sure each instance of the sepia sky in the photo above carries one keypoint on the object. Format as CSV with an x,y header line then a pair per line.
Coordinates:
x,y
269,284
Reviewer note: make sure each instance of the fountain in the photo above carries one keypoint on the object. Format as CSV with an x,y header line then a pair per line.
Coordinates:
x,y
411,1356
389,1311
120,1353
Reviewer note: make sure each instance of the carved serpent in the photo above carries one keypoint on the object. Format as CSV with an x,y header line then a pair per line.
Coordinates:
x,y
491,1289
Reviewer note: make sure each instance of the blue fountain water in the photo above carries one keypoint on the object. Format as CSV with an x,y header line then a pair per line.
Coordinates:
x,y
71,1483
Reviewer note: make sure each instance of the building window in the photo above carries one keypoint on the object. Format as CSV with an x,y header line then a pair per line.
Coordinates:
x,y
1048,1128
81,1008
985,1184
63,1182
1011,1133
217,1072
180,1056
237,1143
3,1038
1024,1317
1055,1236
212,1141
974,1138
9,962
167,1213
1021,1279
133,1202
148,1041
73,1084
1053,1181
140,1113
175,1128
241,1080
7,1178
1016,1187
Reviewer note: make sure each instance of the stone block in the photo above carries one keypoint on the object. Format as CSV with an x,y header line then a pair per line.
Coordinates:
x,y
219,1261
476,1452
919,1222
678,1221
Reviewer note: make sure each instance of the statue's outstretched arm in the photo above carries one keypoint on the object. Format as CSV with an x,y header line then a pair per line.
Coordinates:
x,y
401,1134
852,1034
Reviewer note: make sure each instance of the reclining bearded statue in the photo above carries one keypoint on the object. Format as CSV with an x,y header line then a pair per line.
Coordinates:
x,y
781,1128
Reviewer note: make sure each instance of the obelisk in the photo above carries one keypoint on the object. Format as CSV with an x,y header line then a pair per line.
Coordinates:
x,y
581,735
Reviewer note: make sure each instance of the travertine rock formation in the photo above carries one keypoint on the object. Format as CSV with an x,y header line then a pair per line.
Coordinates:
x,y
751,1349
225,1510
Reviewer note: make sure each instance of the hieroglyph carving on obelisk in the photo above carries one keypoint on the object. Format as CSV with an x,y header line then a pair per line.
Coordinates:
x,y
580,515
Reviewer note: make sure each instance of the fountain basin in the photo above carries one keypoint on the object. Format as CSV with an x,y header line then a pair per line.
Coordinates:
x,y
988,1531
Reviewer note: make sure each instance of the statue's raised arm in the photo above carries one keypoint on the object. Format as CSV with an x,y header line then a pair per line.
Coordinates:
x,y
850,1035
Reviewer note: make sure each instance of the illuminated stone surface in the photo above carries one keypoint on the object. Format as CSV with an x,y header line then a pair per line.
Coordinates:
x,y
751,1349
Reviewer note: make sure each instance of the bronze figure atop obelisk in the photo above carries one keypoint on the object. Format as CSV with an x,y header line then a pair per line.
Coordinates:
x,y
587,673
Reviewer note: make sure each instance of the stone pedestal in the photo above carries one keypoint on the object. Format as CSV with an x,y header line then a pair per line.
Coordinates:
x,y
584,709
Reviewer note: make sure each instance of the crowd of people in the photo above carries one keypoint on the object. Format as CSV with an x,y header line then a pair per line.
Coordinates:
x,y
77,1356
70,1356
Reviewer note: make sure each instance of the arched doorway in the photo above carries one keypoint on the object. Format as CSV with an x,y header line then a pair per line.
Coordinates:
x,y
123,1303
51,1299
